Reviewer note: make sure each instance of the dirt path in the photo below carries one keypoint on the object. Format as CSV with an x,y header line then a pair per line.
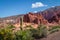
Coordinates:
x,y
54,36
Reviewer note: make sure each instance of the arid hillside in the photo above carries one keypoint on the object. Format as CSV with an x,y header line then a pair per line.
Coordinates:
x,y
48,16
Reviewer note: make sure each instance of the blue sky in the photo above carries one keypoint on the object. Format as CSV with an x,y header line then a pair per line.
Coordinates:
x,y
15,7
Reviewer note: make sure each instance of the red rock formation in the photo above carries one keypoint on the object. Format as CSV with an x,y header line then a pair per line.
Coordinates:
x,y
33,18
50,15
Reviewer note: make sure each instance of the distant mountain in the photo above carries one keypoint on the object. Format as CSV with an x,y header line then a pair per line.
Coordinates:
x,y
50,15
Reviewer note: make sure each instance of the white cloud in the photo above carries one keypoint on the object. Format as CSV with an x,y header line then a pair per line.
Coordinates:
x,y
53,6
35,11
38,4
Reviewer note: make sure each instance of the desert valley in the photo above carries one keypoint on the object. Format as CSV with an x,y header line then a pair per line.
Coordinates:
x,y
49,21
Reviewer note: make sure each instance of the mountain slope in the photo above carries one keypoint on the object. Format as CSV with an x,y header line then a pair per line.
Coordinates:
x,y
51,15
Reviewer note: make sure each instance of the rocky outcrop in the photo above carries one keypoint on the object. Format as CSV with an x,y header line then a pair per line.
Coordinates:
x,y
51,15
33,18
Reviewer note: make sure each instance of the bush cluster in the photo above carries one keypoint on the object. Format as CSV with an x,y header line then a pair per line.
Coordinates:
x,y
27,34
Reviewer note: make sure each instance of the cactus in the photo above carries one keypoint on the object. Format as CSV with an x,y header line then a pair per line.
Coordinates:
x,y
21,22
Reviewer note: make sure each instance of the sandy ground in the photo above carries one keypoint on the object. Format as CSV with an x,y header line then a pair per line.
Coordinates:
x,y
53,36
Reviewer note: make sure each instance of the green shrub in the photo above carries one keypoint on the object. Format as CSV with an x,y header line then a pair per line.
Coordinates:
x,y
29,26
6,34
54,29
40,32
35,33
27,34
10,26
24,35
